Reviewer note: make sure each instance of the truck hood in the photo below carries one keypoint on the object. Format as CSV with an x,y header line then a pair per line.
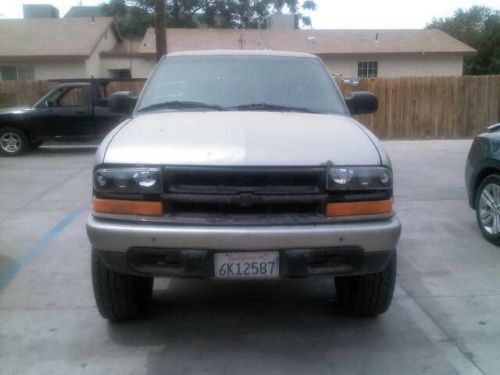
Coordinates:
x,y
241,138
15,110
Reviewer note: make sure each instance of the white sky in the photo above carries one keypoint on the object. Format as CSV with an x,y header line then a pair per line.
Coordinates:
x,y
331,14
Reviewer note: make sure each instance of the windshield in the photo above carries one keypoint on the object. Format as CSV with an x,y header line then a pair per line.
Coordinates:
x,y
266,83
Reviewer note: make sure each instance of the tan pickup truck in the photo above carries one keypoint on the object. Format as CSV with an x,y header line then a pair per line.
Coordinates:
x,y
242,165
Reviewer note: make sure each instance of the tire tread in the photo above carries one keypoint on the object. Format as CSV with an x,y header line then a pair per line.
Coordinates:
x,y
119,296
367,295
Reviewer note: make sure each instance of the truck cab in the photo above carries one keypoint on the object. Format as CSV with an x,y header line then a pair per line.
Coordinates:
x,y
75,111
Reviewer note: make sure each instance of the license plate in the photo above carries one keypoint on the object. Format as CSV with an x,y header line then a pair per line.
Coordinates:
x,y
247,265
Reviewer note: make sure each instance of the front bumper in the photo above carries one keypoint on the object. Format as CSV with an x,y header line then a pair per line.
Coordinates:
x,y
343,248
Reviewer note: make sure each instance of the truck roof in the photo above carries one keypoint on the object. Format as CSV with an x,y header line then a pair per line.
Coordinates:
x,y
243,53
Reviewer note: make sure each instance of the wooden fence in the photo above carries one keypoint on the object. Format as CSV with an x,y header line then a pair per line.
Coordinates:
x,y
432,107
410,108
18,93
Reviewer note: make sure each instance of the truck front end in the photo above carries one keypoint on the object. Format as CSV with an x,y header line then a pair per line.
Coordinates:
x,y
241,191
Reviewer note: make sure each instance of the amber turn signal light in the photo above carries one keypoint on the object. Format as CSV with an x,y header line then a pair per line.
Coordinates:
x,y
124,207
359,208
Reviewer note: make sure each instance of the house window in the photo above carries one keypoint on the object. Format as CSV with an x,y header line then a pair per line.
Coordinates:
x,y
25,73
119,73
368,69
8,73
17,73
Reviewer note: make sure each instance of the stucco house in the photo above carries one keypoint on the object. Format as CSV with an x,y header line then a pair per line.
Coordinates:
x,y
85,47
52,48
362,53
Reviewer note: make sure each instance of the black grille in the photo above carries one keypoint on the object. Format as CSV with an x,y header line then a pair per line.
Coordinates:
x,y
254,209
245,190
229,180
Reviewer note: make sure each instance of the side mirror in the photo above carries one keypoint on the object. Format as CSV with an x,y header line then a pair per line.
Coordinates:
x,y
50,103
361,102
122,102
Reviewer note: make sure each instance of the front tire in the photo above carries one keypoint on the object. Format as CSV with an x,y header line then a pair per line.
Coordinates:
x,y
13,142
119,296
367,295
488,208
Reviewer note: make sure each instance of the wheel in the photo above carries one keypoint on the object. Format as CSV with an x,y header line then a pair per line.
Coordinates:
x,y
119,296
35,145
367,295
488,208
13,141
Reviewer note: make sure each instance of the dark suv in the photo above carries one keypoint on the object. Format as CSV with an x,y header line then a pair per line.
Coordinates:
x,y
482,179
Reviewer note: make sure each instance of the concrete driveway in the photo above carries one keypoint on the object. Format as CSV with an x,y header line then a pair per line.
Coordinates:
x,y
445,318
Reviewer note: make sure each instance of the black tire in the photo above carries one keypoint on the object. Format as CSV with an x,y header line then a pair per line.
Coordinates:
x,y
19,144
367,295
119,296
36,145
493,179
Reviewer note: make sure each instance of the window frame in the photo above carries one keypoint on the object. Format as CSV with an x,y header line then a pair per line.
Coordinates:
x,y
22,73
27,72
73,91
119,73
368,69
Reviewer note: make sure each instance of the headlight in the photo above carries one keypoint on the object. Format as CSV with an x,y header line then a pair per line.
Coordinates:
x,y
140,180
358,178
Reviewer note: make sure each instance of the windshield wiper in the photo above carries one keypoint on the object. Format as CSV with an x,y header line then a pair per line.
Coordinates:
x,y
177,104
271,107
